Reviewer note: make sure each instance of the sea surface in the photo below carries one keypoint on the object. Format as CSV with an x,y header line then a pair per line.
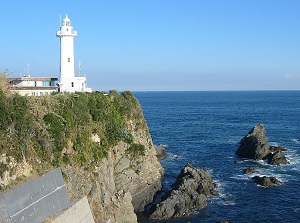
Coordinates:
x,y
204,129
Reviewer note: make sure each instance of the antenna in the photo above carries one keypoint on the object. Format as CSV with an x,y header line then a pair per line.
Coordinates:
x,y
59,19
28,69
79,67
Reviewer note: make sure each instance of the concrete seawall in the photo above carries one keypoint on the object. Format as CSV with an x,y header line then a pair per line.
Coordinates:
x,y
80,212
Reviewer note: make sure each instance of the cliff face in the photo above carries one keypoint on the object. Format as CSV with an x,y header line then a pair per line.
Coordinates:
x,y
122,182
100,141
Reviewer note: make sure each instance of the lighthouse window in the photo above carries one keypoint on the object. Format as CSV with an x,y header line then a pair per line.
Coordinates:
x,y
69,59
72,83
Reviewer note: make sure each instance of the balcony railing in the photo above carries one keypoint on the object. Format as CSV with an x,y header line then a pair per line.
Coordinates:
x,y
66,33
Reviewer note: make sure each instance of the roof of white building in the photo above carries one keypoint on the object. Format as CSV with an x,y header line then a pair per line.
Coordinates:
x,y
33,79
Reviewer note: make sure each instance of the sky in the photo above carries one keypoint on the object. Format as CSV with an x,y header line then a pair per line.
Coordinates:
x,y
154,45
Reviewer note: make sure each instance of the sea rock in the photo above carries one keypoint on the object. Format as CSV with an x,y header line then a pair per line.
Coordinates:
x,y
255,144
249,170
277,149
189,192
160,152
277,158
267,181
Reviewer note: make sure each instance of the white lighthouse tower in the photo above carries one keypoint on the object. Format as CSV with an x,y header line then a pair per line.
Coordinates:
x,y
68,81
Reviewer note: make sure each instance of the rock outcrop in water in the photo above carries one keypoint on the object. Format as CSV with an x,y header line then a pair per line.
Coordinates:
x,y
160,152
190,192
267,181
255,146
277,158
249,170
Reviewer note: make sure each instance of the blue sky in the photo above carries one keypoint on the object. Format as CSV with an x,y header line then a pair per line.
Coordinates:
x,y
159,44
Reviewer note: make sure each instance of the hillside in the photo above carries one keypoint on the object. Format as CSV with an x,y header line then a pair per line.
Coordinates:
x,y
101,141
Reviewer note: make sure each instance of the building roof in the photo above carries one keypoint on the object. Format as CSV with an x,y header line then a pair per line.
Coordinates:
x,y
33,79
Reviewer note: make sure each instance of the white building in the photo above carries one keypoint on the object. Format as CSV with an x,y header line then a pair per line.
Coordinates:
x,y
33,86
38,86
68,81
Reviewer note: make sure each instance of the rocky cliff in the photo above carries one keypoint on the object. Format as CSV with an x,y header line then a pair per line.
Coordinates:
x,y
101,142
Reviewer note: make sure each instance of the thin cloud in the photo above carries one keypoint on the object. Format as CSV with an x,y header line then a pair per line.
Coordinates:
x,y
292,76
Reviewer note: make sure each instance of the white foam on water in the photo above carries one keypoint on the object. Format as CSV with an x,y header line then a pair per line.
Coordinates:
x,y
279,172
219,186
241,177
210,170
274,144
233,142
297,141
228,202
177,157
297,210
252,161
172,156
262,162
296,169
281,177
223,198
293,157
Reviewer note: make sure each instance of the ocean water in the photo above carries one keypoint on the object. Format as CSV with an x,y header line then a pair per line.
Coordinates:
x,y
204,129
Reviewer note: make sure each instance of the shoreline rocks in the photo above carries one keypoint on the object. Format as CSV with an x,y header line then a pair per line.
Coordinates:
x,y
255,146
189,192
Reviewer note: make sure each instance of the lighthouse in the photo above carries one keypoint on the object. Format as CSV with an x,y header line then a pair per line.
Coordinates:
x,y
68,81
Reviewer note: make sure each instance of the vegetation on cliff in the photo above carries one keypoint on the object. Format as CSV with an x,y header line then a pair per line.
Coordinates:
x,y
66,129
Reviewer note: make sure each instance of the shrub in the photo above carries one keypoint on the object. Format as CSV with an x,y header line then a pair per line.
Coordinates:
x,y
58,127
136,150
